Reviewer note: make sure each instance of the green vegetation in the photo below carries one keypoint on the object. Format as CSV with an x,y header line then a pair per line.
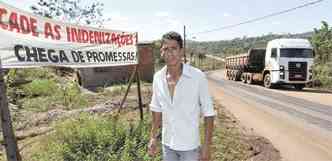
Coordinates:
x,y
238,45
48,95
40,87
229,141
108,138
322,42
206,63
92,138
41,90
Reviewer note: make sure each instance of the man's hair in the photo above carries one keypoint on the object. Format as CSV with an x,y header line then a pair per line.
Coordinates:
x,y
172,36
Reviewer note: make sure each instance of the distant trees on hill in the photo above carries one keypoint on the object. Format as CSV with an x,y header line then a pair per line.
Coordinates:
x,y
239,45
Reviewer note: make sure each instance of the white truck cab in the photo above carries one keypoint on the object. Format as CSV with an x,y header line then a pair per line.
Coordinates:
x,y
288,61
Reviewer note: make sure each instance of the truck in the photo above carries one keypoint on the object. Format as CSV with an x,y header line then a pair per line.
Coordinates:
x,y
284,61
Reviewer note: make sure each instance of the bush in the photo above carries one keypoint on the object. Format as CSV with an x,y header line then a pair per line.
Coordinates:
x,y
96,139
71,96
40,87
323,73
38,104
17,78
31,74
43,95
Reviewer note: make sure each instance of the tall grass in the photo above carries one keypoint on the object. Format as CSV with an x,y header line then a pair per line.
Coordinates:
x,y
89,138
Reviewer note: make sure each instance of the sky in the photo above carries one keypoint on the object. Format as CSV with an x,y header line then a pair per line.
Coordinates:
x,y
152,18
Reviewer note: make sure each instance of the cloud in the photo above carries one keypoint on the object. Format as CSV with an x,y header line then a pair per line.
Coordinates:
x,y
118,22
162,14
116,16
173,24
226,14
276,23
149,28
153,28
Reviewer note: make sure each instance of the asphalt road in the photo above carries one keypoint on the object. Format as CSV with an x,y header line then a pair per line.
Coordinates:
x,y
300,128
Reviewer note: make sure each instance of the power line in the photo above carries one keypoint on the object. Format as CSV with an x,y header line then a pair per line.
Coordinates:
x,y
260,18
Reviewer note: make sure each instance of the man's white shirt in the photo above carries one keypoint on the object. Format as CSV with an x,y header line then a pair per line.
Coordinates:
x,y
181,116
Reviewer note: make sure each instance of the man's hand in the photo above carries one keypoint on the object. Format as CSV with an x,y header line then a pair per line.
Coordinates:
x,y
204,153
152,147
156,122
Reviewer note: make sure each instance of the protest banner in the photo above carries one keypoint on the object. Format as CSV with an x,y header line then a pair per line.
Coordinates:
x,y
27,40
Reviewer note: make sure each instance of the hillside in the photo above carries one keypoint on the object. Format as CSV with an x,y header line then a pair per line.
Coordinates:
x,y
238,45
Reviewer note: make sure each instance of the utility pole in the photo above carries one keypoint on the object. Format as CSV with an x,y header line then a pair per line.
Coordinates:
x,y
184,43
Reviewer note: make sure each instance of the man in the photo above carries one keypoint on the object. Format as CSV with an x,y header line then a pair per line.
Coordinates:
x,y
180,96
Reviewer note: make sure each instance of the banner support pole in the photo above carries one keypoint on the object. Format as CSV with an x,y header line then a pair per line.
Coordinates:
x,y
9,138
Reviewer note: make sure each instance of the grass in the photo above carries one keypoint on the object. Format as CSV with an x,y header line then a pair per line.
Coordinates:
x,y
229,143
93,138
44,95
40,87
43,90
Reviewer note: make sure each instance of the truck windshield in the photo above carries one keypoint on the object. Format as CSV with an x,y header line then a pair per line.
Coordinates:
x,y
296,53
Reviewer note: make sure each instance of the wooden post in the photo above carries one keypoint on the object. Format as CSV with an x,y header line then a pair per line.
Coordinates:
x,y
138,81
9,138
128,88
140,104
131,77
135,73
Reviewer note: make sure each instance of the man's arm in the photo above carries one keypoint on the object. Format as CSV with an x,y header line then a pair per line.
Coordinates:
x,y
155,107
208,132
156,124
208,113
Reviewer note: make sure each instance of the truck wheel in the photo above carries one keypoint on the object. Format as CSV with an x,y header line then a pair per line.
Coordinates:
x,y
233,76
299,86
243,78
227,75
237,76
249,79
267,81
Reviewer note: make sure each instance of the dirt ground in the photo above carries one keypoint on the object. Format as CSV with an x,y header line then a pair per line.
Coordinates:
x,y
314,95
255,147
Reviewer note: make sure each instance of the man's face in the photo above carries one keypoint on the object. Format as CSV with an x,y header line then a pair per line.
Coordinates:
x,y
171,52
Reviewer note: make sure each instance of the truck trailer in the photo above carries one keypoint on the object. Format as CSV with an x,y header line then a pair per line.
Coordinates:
x,y
284,61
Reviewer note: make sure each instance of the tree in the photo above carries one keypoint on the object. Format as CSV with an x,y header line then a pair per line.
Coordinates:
x,y
322,42
72,11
